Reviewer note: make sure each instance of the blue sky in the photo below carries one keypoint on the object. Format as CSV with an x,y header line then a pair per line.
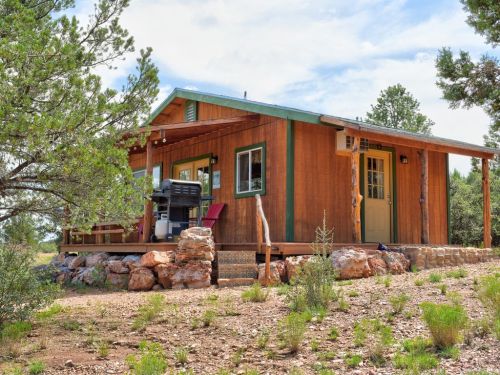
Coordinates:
x,y
331,57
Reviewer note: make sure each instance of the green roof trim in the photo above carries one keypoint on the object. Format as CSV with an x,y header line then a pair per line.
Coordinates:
x,y
242,104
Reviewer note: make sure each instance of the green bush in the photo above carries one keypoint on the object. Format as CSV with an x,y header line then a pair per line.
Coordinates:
x,y
152,360
22,290
435,277
154,306
208,317
291,331
489,293
398,302
376,336
457,274
419,282
353,360
181,355
50,312
36,367
444,322
333,335
255,294
263,339
312,287
417,356
14,331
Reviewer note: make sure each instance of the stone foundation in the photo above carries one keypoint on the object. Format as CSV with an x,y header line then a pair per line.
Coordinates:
x,y
424,257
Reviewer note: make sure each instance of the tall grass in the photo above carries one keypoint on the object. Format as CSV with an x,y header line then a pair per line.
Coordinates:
x,y
154,305
291,331
489,294
445,322
255,294
151,361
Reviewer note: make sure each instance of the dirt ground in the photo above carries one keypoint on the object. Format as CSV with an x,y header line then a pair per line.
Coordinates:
x,y
230,343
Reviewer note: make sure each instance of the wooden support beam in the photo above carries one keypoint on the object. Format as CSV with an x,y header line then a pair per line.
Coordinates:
x,y
148,204
424,195
356,196
486,203
262,222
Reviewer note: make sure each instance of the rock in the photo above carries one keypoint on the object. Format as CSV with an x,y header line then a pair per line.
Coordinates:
x,y
64,275
153,258
187,254
350,263
76,262
68,260
195,244
193,275
132,261
118,280
69,363
94,276
95,259
157,287
397,263
117,266
292,265
141,278
165,273
377,264
275,272
58,260
197,231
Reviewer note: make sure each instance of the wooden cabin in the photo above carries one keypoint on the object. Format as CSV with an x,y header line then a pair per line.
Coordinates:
x,y
375,184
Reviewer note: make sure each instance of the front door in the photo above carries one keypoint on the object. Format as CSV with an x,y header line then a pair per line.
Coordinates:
x,y
377,196
196,170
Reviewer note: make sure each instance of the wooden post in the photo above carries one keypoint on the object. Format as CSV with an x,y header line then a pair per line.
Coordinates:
x,y
486,203
148,204
424,195
263,222
356,196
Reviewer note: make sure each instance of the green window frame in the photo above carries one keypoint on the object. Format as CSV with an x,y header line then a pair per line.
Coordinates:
x,y
157,174
252,190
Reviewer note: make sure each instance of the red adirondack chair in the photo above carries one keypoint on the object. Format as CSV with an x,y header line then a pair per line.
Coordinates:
x,y
214,211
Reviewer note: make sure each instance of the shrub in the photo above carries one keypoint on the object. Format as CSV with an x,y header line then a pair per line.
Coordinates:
x,y
14,331
102,347
417,356
457,274
343,305
312,288
375,336
398,302
255,294
50,312
181,355
314,345
36,367
152,360
22,290
353,293
263,339
353,360
419,282
208,317
443,288
489,293
291,331
387,281
444,322
435,277
333,335
154,305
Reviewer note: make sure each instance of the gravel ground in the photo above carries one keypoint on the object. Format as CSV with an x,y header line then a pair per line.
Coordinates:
x,y
97,316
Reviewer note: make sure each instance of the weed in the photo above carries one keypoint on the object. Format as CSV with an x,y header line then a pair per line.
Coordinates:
x,y
229,307
398,302
150,310
212,297
295,371
208,317
195,323
291,331
444,322
414,268
353,293
375,336
71,325
255,294
387,281
101,309
102,347
36,367
14,331
181,355
450,352
50,312
237,357
410,314
489,294
454,297
314,345
344,282
419,282
457,274
353,360
326,371
282,289
343,305
416,356
333,335
251,372
443,288
152,360
15,370
326,356
263,339
270,354
435,278
223,371
307,315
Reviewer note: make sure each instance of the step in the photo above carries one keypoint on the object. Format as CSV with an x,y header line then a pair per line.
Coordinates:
x,y
235,271
242,281
236,257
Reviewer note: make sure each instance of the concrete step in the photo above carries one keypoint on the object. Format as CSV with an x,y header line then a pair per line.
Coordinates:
x,y
235,282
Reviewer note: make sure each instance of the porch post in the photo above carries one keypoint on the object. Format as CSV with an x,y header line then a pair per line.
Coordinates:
x,y
486,203
355,192
148,204
424,195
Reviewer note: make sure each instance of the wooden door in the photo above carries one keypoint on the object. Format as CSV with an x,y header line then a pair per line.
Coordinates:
x,y
377,196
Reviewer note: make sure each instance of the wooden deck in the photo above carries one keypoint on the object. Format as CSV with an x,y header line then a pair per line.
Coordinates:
x,y
278,248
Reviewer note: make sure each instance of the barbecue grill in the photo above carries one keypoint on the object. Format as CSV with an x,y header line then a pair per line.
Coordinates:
x,y
174,200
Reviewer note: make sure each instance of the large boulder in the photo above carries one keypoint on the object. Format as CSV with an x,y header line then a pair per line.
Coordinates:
x,y
293,264
117,266
132,261
66,261
196,231
350,263
58,260
94,276
277,271
377,263
153,258
117,280
194,274
397,263
196,243
76,262
141,278
96,259
165,273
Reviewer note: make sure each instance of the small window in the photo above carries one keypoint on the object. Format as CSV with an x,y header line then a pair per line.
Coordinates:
x,y
191,111
375,178
250,170
156,175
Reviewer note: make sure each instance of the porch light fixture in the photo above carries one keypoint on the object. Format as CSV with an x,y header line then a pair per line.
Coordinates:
x,y
164,140
403,159
214,159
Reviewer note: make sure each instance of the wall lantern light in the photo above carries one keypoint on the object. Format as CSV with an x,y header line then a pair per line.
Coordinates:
x,y
214,159
403,159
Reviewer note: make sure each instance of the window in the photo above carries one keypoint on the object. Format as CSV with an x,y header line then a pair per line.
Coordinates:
x,y
156,175
375,178
191,111
250,170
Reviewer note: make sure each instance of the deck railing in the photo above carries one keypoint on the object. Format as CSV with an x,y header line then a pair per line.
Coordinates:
x,y
103,233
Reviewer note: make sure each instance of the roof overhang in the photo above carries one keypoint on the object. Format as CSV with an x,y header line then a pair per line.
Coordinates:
x,y
404,138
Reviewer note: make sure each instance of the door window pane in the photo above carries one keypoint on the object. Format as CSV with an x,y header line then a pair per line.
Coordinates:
x,y
375,178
